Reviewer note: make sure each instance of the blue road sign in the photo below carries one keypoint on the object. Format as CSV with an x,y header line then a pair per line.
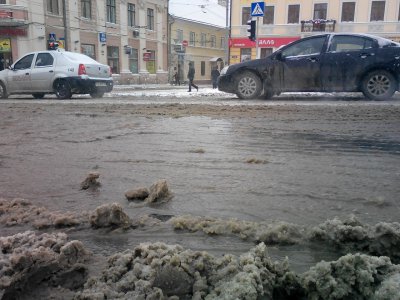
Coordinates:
x,y
52,37
102,37
257,9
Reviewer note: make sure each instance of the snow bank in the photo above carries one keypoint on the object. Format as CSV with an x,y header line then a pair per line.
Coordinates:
x,y
28,260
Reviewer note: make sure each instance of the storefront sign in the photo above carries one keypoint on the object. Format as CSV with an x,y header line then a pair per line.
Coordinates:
x,y
274,42
146,56
13,31
5,45
102,37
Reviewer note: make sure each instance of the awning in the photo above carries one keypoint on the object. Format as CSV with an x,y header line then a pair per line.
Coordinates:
x,y
216,59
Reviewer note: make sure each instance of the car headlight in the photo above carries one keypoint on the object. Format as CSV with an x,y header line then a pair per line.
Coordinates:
x,y
224,70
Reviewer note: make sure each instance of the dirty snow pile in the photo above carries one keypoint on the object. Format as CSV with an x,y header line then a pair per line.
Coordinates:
x,y
29,260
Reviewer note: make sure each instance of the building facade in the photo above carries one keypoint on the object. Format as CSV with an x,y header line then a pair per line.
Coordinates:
x,y
198,34
130,36
287,20
202,44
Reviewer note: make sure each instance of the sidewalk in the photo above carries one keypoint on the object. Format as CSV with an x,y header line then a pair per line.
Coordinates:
x,y
163,86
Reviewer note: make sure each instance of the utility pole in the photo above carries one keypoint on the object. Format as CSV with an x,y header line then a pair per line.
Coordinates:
x,y
65,25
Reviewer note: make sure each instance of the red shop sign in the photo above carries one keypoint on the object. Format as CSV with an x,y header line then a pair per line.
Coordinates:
x,y
146,56
274,42
5,14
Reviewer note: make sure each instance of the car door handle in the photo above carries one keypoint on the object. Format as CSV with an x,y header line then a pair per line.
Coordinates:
x,y
364,55
26,73
312,59
51,71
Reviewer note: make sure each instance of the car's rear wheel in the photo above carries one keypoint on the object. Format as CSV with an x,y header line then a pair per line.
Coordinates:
x,y
97,94
378,85
38,95
3,91
62,89
248,85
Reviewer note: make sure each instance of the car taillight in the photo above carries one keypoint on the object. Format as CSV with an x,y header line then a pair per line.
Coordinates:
x,y
82,69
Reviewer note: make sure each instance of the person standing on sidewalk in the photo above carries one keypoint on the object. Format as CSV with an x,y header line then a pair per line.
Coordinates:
x,y
214,77
190,76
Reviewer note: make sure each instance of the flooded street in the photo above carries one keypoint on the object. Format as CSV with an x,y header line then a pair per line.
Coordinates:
x,y
301,161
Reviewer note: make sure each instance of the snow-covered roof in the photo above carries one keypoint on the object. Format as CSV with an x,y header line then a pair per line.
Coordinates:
x,y
202,11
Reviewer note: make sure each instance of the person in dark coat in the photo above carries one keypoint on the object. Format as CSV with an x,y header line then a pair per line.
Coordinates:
x,y
190,76
214,77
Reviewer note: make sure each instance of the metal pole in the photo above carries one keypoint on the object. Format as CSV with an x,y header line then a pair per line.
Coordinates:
x,y
258,24
65,25
227,34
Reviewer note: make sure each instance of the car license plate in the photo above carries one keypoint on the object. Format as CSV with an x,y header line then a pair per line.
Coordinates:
x,y
101,84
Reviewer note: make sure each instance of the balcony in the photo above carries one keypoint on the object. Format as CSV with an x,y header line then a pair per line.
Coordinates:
x,y
13,15
318,25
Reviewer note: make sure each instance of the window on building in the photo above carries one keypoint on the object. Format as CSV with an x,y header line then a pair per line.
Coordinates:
x,y
89,50
52,7
246,15
203,37
111,11
266,52
320,11
179,36
86,9
293,13
192,39
3,2
131,15
203,68
269,13
398,18
348,11
151,63
223,43
245,54
133,61
377,11
213,41
150,19
113,58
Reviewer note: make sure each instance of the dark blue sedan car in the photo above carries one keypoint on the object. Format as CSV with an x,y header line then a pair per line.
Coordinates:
x,y
333,62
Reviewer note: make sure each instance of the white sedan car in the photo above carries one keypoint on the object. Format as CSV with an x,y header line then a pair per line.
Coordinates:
x,y
56,72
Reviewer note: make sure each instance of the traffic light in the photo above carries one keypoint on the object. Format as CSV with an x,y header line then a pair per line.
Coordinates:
x,y
251,29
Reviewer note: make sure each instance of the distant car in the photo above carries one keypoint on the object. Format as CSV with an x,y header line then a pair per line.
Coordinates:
x,y
56,71
333,62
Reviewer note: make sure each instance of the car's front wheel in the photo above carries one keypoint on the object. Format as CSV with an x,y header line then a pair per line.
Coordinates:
x,y
3,91
38,95
378,85
248,85
62,89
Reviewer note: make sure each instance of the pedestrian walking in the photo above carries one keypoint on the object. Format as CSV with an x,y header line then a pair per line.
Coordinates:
x,y
190,76
214,77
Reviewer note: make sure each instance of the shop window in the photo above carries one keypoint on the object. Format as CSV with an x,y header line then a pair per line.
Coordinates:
x,y
133,61
131,15
111,11
89,50
320,11
377,11
52,7
86,9
293,14
266,52
113,59
269,14
348,11
245,54
150,19
245,15
203,68
151,63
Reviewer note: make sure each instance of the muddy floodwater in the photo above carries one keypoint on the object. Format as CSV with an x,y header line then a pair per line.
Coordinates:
x,y
297,162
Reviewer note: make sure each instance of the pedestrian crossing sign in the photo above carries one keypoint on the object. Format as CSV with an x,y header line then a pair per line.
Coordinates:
x,y
257,9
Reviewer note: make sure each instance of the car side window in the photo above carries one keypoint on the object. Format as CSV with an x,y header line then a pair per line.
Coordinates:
x,y
350,43
24,63
306,47
44,60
